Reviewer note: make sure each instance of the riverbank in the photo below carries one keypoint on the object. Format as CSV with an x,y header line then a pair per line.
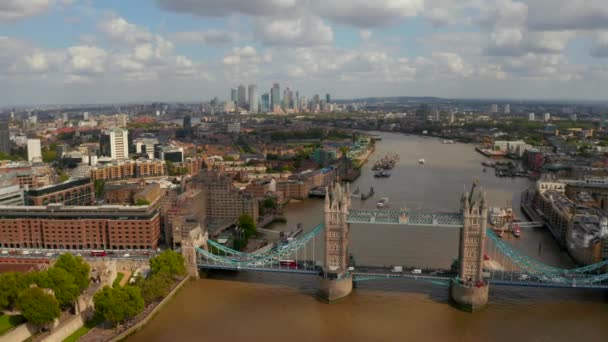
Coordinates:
x,y
113,335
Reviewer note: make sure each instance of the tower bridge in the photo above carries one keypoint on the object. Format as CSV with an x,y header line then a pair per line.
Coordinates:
x,y
483,258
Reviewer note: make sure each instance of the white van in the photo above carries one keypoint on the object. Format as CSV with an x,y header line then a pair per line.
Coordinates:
x,y
397,269
416,271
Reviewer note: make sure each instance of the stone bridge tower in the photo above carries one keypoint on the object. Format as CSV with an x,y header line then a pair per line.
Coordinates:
x,y
469,291
336,281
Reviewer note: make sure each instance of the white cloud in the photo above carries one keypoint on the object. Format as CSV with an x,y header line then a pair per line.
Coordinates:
x,y
600,45
556,15
11,10
206,37
214,8
364,13
120,30
86,59
304,30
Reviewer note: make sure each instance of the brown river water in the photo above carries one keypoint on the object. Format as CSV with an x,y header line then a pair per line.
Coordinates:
x,y
276,307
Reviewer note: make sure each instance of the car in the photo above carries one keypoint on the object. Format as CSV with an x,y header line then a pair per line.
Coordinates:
x,y
397,269
37,252
524,276
4,252
416,271
126,255
49,255
25,253
351,268
544,278
557,280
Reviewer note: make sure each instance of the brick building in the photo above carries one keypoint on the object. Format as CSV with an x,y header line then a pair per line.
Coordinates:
x,y
129,169
96,227
73,192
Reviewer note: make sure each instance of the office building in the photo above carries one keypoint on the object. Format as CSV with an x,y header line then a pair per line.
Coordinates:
x,y
494,108
531,117
547,117
225,203
242,96
253,98
327,98
265,103
115,144
57,226
187,125
507,109
5,142
275,94
34,153
233,95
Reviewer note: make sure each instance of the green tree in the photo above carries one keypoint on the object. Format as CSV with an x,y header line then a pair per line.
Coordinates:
x,y
247,224
77,267
169,262
10,285
99,187
155,287
38,307
116,304
62,283
142,202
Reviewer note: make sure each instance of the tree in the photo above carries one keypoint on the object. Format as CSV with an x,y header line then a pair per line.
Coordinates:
x,y
38,307
62,283
169,262
116,304
155,287
246,223
77,267
142,202
99,187
11,284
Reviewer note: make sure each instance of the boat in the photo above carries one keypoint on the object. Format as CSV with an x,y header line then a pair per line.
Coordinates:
x,y
383,202
382,174
421,161
516,231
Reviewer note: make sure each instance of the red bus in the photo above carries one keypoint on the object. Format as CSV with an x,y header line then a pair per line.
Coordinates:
x,y
288,263
98,253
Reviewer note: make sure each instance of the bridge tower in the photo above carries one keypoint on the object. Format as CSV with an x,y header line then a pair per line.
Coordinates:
x,y
469,291
336,282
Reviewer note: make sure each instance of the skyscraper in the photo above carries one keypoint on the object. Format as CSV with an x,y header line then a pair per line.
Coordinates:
x,y
115,144
187,122
253,98
275,94
33,150
233,95
5,143
265,103
242,96
507,108
327,98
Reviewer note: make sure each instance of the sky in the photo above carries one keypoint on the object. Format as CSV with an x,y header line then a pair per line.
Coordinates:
x,y
101,51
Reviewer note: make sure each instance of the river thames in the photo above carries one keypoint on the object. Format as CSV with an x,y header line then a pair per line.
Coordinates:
x,y
271,307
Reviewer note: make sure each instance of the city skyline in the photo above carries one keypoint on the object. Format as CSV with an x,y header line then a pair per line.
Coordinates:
x,y
188,51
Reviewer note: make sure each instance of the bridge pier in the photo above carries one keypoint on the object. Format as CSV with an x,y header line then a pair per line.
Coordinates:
x,y
332,290
469,298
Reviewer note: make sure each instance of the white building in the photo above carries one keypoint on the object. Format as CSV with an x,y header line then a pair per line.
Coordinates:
x,y
11,195
507,108
531,117
547,117
516,147
253,98
34,154
494,108
117,144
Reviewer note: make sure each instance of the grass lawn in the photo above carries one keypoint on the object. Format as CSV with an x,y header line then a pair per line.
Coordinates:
x,y
9,322
80,332
119,277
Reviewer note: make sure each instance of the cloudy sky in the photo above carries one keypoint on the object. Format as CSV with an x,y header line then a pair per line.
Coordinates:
x,y
94,51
